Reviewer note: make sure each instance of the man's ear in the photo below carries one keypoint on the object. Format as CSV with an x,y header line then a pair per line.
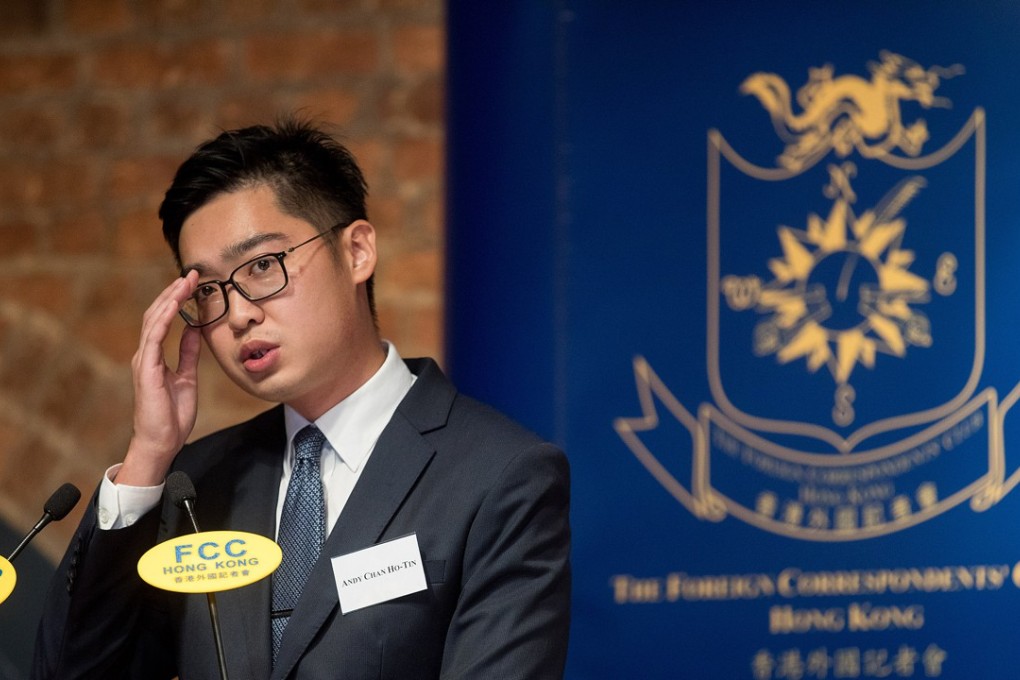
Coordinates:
x,y
359,242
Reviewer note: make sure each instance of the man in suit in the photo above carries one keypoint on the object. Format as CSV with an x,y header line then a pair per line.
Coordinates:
x,y
269,228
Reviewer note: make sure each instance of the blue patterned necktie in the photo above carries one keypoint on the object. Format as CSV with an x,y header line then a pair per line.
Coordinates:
x,y
302,529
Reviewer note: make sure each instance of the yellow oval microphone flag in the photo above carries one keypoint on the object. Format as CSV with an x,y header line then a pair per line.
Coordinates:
x,y
209,561
8,577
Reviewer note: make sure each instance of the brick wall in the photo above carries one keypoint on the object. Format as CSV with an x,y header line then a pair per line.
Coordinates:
x,y
99,102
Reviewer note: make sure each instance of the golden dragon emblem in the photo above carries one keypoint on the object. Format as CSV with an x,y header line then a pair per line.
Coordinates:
x,y
850,112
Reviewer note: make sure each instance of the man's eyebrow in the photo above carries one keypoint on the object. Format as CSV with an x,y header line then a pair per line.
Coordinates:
x,y
241,248
236,251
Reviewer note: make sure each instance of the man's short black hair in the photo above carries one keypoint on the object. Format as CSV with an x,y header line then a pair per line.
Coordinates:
x,y
314,177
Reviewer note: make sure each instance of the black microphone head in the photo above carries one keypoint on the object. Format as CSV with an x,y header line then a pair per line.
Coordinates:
x,y
180,488
62,501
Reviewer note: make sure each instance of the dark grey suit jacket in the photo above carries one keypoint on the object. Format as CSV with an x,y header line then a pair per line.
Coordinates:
x,y
488,502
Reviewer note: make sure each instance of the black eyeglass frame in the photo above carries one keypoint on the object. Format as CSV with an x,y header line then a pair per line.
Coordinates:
x,y
230,279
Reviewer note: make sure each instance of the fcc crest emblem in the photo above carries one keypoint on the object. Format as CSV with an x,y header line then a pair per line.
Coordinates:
x,y
846,317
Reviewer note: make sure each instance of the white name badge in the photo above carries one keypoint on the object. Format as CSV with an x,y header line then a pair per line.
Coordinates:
x,y
380,573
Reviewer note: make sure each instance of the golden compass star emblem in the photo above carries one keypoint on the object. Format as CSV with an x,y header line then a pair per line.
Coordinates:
x,y
842,292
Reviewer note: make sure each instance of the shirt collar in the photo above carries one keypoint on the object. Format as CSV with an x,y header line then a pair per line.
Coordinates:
x,y
353,426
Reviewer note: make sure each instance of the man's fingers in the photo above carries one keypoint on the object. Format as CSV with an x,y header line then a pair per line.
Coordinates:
x,y
159,317
173,295
191,345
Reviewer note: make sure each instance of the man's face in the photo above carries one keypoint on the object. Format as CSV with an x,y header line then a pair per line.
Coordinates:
x,y
311,344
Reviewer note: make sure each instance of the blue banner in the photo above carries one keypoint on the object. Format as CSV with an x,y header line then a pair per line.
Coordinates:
x,y
759,279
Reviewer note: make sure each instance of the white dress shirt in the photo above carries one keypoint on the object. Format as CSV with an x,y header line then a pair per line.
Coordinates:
x,y
352,429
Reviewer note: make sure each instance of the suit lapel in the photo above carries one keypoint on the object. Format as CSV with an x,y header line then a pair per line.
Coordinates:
x,y
398,460
258,472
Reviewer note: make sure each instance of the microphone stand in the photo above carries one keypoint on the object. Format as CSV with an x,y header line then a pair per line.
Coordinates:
x,y
30,535
211,597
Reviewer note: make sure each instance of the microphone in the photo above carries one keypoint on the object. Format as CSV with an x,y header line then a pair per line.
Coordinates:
x,y
56,508
181,491
182,494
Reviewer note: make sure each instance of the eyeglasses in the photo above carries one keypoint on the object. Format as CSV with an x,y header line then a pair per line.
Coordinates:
x,y
256,279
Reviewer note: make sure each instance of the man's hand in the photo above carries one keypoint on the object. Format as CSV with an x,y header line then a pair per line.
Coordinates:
x,y
166,401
